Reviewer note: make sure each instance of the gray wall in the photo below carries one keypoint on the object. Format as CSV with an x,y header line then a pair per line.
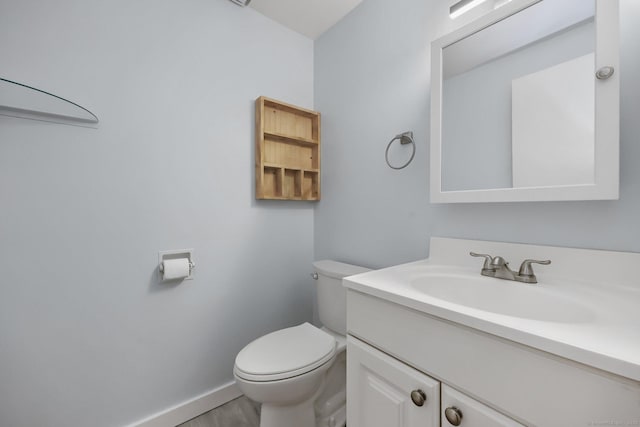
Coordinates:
x,y
372,82
87,335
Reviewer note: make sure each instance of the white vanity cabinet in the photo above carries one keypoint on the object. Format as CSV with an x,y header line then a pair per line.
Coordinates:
x,y
562,353
511,384
384,392
387,393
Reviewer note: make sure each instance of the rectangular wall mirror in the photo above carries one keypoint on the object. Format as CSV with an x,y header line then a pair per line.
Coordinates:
x,y
525,105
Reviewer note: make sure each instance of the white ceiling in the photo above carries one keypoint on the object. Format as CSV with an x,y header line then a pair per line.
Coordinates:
x,y
308,17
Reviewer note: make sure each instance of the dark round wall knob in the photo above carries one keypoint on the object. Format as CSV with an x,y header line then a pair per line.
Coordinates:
x,y
454,415
418,397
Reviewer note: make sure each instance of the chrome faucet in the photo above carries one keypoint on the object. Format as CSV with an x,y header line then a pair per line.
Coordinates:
x,y
498,267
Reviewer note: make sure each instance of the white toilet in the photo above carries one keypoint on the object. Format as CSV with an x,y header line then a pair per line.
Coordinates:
x,y
299,373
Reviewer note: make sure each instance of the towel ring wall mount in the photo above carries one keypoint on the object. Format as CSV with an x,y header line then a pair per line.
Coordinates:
x,y
404,138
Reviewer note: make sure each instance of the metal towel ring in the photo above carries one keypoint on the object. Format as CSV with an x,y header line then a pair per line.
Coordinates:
x,y
405,138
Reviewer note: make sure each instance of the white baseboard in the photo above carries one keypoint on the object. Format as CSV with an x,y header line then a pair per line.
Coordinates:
x,y
191,408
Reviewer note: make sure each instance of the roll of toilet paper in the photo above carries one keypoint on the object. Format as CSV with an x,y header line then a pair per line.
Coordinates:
x,y
174,269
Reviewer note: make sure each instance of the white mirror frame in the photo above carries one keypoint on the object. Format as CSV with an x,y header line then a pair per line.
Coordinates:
x,y
607,120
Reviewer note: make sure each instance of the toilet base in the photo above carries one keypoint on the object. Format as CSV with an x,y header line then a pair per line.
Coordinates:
x,y
337,419
301,415
325,408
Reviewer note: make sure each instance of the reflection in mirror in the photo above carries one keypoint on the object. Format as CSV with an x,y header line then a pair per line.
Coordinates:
x,y
20,100
518,101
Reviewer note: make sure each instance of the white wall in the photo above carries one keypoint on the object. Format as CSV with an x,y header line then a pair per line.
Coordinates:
x,y
87,335
372,82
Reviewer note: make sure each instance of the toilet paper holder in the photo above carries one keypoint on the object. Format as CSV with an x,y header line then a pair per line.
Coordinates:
x,y
176,254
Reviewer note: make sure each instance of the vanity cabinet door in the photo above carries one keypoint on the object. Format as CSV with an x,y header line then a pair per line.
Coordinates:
x,y
383,392
466,412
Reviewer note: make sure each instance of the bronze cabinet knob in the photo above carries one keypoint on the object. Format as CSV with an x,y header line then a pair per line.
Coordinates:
x,y
418,397
454,415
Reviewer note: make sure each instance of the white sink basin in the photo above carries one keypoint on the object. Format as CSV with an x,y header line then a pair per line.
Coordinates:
x,y
503,297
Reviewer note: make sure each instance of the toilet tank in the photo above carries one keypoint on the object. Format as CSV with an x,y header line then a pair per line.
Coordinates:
x,y
332,296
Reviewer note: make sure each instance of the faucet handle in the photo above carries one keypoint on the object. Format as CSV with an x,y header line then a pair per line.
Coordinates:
x,y
499,262
527,271
488,259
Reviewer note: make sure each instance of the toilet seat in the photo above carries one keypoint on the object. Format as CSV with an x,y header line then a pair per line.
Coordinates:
x,y
285,354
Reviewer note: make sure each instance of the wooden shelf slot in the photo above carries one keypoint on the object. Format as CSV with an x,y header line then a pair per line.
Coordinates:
x,y
290,156
310,185
273,180
283,106
292,186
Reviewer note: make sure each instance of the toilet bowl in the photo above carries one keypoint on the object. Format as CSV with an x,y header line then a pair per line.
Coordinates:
x,y
298,374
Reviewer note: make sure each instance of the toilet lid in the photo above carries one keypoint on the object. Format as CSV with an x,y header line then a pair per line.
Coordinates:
x,y
285,354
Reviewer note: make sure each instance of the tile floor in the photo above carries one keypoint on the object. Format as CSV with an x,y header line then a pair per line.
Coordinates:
x,y
240,412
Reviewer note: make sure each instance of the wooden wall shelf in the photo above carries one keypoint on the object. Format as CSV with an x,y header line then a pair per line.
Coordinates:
x,y
287,151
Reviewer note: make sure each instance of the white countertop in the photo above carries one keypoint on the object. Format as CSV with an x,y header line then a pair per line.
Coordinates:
x,y
608,338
